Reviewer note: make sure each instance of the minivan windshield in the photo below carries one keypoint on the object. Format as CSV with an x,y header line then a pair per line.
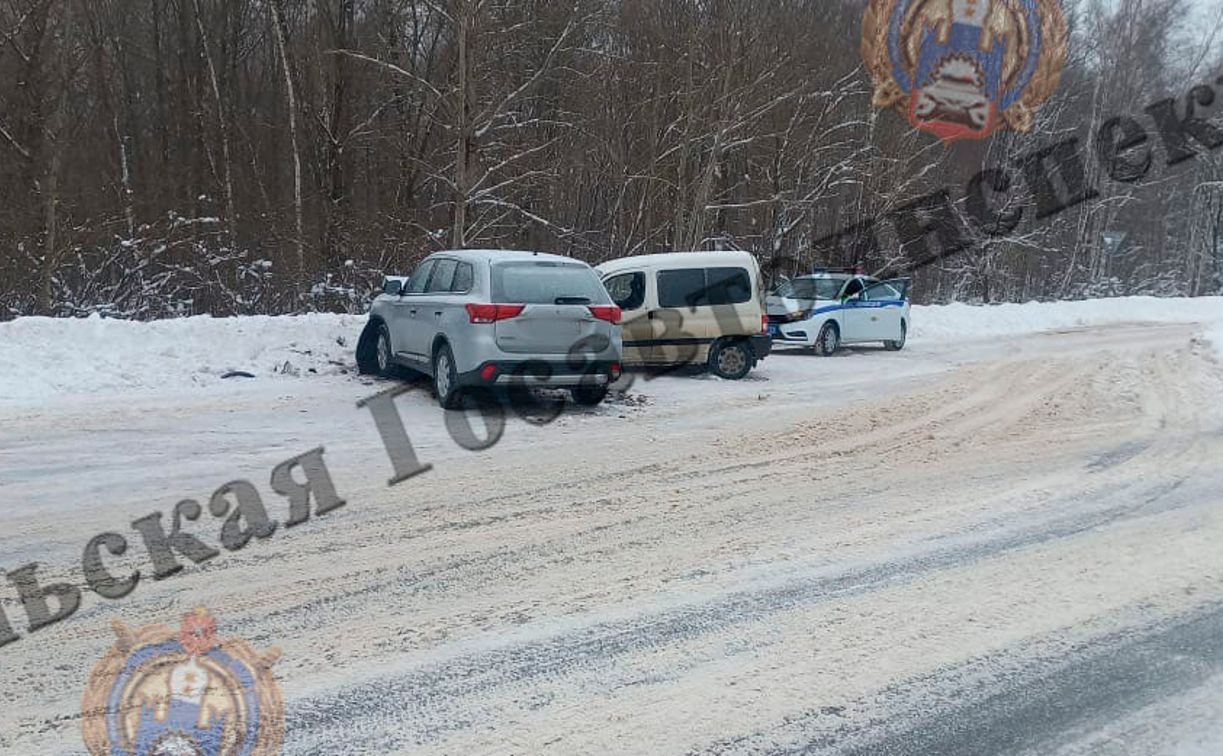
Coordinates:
x,y
809,288
546,282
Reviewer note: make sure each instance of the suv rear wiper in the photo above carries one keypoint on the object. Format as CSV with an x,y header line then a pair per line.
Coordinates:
x,y
572,301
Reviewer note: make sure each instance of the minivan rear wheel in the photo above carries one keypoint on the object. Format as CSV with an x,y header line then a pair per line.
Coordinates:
x,y
730,360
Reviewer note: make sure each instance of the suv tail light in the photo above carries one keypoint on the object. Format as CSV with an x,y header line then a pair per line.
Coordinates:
x,y
610,313
764,323
491,313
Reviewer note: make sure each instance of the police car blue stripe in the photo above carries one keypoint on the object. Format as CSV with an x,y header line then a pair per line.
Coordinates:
x,y
872,305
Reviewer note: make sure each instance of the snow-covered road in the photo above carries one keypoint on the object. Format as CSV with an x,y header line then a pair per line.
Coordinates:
x,y
1005,544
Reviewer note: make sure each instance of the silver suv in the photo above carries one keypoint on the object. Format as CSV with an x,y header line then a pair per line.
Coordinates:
x,y
496,319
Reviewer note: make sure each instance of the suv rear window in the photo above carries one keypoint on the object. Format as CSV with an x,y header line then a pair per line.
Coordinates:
x,y
701,287
544,282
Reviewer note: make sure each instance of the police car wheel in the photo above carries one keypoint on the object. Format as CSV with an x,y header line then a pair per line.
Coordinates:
x,y
828,341
896,346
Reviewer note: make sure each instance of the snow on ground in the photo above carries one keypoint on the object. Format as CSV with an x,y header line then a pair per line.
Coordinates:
x,y
43,358
949,322
1213,333
983,540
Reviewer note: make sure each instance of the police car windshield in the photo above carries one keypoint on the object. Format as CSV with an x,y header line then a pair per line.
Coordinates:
x,y
810,288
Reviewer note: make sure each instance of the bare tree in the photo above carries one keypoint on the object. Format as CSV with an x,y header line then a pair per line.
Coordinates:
x,y
299,238
231,214
162,158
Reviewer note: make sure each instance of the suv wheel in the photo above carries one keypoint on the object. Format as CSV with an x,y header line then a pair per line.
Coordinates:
x,y
730,360
589,396
446,379
828,341
383,354
367,349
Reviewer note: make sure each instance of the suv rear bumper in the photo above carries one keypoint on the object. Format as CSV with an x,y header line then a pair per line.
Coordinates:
x,y
542,373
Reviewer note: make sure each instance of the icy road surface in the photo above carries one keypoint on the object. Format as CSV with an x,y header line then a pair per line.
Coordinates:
x,y
1009,545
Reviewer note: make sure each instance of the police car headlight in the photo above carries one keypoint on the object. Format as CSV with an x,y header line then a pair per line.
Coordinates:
x,y
794,317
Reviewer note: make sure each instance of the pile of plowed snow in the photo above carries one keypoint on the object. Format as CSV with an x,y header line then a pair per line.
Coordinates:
x,y
960,321
44,358
47,357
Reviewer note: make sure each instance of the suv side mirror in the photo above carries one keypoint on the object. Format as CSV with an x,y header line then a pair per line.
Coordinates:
x,y
392,286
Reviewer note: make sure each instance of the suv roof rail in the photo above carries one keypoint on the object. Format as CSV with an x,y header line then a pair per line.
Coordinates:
x,y
857,270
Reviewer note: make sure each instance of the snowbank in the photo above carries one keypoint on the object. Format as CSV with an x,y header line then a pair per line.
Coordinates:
x,y
42,359
1214,335
45,358
968,321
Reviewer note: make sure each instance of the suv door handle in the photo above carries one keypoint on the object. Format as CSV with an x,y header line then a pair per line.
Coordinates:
x,y
438,313
412,313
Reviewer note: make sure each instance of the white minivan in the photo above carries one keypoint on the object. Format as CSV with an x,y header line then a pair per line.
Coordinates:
x,y
690,308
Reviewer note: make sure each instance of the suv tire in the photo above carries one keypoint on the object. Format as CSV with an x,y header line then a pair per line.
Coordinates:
x,y
589,396
731,360
446,379
384,353
367,349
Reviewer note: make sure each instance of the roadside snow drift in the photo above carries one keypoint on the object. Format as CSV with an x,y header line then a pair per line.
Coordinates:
x,y
42,359
960,321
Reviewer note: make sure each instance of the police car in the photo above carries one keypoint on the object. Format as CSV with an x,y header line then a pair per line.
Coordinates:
x,y
824,310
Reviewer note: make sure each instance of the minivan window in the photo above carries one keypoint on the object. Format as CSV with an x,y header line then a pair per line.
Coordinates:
x,y
728,286
443,276
627,290
681,288
701,287
546,281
